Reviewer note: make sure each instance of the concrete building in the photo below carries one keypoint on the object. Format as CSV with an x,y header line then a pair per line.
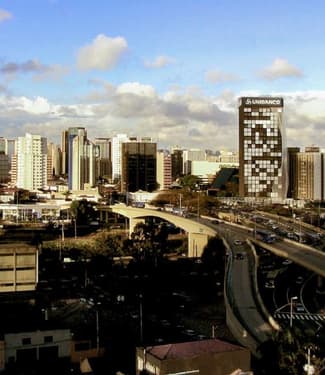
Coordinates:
x,y
262,161
18,267
54,160
207,170
104,161
139,165
309,172
204,357
177,163
192,155
31,162
41,345
117,155
4,168
82,156
164,169
292,171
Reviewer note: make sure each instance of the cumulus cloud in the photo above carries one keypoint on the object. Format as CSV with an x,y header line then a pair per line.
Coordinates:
x,y
159,62
102,54
280,68
4,15
216,76
185,117
136,88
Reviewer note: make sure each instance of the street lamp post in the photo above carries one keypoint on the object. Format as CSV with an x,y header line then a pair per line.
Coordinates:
x,y
291,308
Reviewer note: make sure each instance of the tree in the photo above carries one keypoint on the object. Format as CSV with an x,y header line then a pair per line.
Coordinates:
x,y
286,353
189,182
83,211
213,256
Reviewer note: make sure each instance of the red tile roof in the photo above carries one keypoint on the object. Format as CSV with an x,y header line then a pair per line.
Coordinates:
x,y
191,349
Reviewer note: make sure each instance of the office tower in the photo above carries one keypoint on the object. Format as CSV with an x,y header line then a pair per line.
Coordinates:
x,y
3,143
11,145
292,171
262,162
54,160
104,162
309,182
164,169
4,162
117,155
31,162
192,155
177,163
4,169
82,155
138,165
65,153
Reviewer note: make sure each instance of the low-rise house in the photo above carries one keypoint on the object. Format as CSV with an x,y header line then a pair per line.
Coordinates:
x,y
204,357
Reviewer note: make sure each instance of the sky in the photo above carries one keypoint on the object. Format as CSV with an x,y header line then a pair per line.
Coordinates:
x,y
169,69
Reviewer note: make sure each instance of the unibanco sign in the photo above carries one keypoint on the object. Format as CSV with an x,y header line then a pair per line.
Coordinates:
x,y
262,101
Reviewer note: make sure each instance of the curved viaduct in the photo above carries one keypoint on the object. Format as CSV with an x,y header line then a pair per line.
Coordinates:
x,y
198,233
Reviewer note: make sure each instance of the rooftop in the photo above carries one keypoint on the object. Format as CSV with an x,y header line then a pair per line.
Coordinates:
x,y
191,349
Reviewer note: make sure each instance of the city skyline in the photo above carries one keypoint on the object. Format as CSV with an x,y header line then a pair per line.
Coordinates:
x,y
170,71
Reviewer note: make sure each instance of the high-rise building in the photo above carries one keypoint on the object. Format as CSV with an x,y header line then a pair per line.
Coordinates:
x,y
104,162
65,152
31,162
164,169
262,161
54,160
82,156
138,165
309,172
177,163
292,171
117,155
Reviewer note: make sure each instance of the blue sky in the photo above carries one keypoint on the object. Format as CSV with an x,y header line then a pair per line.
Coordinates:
x,y
170,69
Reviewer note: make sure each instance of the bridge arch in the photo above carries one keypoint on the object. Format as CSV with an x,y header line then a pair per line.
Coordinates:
x,y
198,233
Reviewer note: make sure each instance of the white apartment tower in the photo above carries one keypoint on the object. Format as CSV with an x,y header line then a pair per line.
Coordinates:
x,y
31,162
117,155
164,169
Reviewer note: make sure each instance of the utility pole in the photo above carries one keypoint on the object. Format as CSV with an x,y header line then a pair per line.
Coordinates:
x,y
141,319
97,332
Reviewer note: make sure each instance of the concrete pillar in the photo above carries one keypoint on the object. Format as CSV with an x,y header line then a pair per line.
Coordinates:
x,y
133,222
196,244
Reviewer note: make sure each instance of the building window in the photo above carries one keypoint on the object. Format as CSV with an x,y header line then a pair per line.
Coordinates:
x,y
48,339
26,341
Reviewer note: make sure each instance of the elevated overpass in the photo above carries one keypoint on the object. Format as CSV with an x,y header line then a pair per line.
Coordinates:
x,y
198,233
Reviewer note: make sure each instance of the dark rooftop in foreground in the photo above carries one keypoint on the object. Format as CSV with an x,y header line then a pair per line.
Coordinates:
x,y
191,349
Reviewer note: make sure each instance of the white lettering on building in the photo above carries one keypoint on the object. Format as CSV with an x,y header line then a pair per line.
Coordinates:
x,y
252,101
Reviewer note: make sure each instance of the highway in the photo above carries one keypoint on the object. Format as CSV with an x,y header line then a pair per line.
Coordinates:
x,y
242,287
247,317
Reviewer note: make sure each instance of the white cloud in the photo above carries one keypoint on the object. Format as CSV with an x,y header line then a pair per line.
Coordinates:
x,y
136,88
187,118
4,15
280,68
102,54
217,76
159,62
